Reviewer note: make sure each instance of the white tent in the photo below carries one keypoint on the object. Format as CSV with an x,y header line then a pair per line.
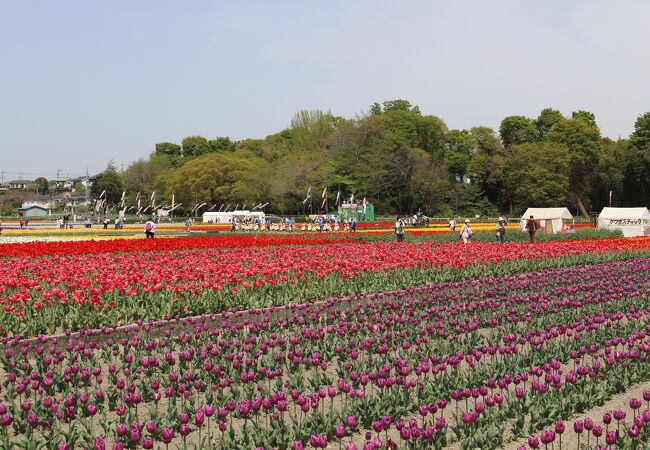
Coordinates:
x,y
226,217
631,221
551,220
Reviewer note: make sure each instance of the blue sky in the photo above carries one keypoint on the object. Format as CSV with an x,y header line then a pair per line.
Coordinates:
x,y
85,82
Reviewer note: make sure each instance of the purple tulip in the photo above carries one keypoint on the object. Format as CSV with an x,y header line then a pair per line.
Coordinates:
x,y
135,433
533,442
635,403
184,430
199,417
120,429
150,426
166,435
99,443
147,442
32,419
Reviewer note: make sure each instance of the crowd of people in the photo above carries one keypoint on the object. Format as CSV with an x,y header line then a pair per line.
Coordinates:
x,y
465,234
318,224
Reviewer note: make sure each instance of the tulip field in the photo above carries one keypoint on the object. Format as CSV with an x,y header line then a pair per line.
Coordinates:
x,y
304,341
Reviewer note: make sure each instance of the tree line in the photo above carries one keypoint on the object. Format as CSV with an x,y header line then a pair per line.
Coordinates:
x,y
402,161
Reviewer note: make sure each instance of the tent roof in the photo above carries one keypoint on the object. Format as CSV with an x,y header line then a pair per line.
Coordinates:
x,y
547,213
625,213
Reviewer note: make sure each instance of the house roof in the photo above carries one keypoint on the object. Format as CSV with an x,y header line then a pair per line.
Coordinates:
x,y
32,207
20,182
547,213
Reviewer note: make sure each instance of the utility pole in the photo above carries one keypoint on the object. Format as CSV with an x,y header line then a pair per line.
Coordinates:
x,y
58,174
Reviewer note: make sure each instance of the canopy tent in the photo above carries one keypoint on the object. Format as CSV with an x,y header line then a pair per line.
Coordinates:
x,y
551,220
631,221
227,217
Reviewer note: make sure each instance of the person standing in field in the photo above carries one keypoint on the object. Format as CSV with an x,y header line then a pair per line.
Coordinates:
x,y
466,232
188,224
399,229
532,228
149,228
452,225
501,230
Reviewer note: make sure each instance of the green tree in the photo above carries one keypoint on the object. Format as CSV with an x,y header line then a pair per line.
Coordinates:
x,y
547,118
609,175
169,149
517,130
582,139
431,133
429,184
111,182
484,168
42,185
460,144
375,109
536,174
140,175
195,146
221,144
585,116
309,129
637,162
211,178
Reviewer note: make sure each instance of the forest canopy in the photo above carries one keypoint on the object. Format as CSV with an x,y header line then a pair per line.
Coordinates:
x,y
404,161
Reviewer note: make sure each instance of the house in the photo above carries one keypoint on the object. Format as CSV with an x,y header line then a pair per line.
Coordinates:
x,y
19,184
63,184
76,200
34,211
4,186
44,201
86,182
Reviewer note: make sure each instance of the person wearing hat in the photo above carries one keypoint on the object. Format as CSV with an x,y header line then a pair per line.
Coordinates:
x,y
501,230
532,228
466,232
